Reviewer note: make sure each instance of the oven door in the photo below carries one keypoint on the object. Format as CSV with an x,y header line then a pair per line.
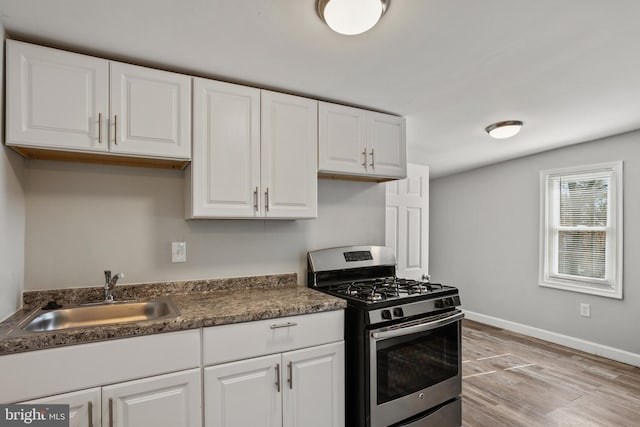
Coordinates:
x,y
415,366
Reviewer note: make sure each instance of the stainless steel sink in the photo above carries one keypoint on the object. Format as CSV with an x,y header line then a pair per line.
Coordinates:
x,y
99,314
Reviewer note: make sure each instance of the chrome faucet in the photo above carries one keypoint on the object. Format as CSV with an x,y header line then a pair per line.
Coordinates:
x,y
109,284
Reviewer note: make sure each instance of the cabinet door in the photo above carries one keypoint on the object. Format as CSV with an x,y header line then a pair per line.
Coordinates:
x,y
84,406
289,148
341,139
387,145
163,401
245,393
56,99
225,172
314,388
150,112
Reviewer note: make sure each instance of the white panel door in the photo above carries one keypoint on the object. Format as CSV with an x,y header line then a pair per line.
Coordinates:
x,y
163,401
387,156
56,99
245,393
314,387
407,221
150,112
341,139
289,156
84,406
225,170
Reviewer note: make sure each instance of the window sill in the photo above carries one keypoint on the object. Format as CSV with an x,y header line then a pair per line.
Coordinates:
x,y
585,288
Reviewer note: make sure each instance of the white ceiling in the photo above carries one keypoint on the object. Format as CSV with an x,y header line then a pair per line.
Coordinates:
x,y
570,69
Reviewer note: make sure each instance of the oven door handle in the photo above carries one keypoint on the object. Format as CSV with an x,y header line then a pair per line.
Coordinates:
x,y
420,327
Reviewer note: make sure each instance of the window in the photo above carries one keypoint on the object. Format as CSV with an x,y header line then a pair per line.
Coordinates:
x,y
581,229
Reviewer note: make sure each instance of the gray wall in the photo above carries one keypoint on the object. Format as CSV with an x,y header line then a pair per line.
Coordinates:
x,y
484,238
82,219
12,228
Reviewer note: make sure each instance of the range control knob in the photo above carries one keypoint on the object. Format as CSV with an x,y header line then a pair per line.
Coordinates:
x,y
386,314
439,303
448,302
398,312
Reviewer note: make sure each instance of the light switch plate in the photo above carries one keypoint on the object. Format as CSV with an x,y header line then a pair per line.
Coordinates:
x,y
178,251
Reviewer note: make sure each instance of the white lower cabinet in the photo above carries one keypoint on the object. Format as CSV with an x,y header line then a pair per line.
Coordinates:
x,y
244,393
314,391
84,406
283,372
162,401
297,388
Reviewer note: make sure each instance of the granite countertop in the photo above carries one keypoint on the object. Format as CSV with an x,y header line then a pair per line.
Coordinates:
x,y
201,303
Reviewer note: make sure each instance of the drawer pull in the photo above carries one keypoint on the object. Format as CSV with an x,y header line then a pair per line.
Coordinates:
x,y
115,129
266,200
100,128
283,325
255,200
110,412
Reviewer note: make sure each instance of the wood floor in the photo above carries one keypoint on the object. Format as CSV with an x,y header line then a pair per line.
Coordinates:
x,y
512,380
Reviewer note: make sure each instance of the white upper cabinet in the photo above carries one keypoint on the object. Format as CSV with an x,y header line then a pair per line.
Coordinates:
x,y
224,176
56,99
289,156
150,112
361,143
254,154
342,144
59,100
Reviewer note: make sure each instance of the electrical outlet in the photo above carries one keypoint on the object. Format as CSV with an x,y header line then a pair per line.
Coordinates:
x,y
585,310
178,251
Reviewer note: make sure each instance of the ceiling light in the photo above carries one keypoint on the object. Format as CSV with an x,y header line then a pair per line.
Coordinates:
x,y
350,17
505,129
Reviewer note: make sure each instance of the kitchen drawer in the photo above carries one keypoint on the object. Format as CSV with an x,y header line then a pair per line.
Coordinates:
x,y
243,340
58,370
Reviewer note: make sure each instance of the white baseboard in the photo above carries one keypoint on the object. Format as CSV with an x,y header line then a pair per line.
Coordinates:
x,y
565,340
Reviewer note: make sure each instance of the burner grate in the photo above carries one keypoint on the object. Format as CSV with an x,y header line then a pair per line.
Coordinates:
x,y
384,288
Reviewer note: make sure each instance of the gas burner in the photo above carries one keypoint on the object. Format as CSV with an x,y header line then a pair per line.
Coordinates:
x,y
385,289
374,296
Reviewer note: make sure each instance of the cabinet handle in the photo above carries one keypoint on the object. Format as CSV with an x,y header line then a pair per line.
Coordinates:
x,y
255,199
283,325
110,412
99,128
372,159
90,410
266,200
364,156
278,377
115,129
290,379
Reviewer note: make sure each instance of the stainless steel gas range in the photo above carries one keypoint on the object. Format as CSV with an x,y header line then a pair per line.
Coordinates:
x,y
403,338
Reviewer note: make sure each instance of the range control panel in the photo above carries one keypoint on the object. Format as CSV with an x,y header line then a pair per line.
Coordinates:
x,y
357,256
413,309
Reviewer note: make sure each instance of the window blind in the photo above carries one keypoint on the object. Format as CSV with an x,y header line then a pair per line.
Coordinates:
x,y
581,229
583,225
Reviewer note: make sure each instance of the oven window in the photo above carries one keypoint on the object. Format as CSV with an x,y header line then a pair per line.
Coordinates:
x,y
413,362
